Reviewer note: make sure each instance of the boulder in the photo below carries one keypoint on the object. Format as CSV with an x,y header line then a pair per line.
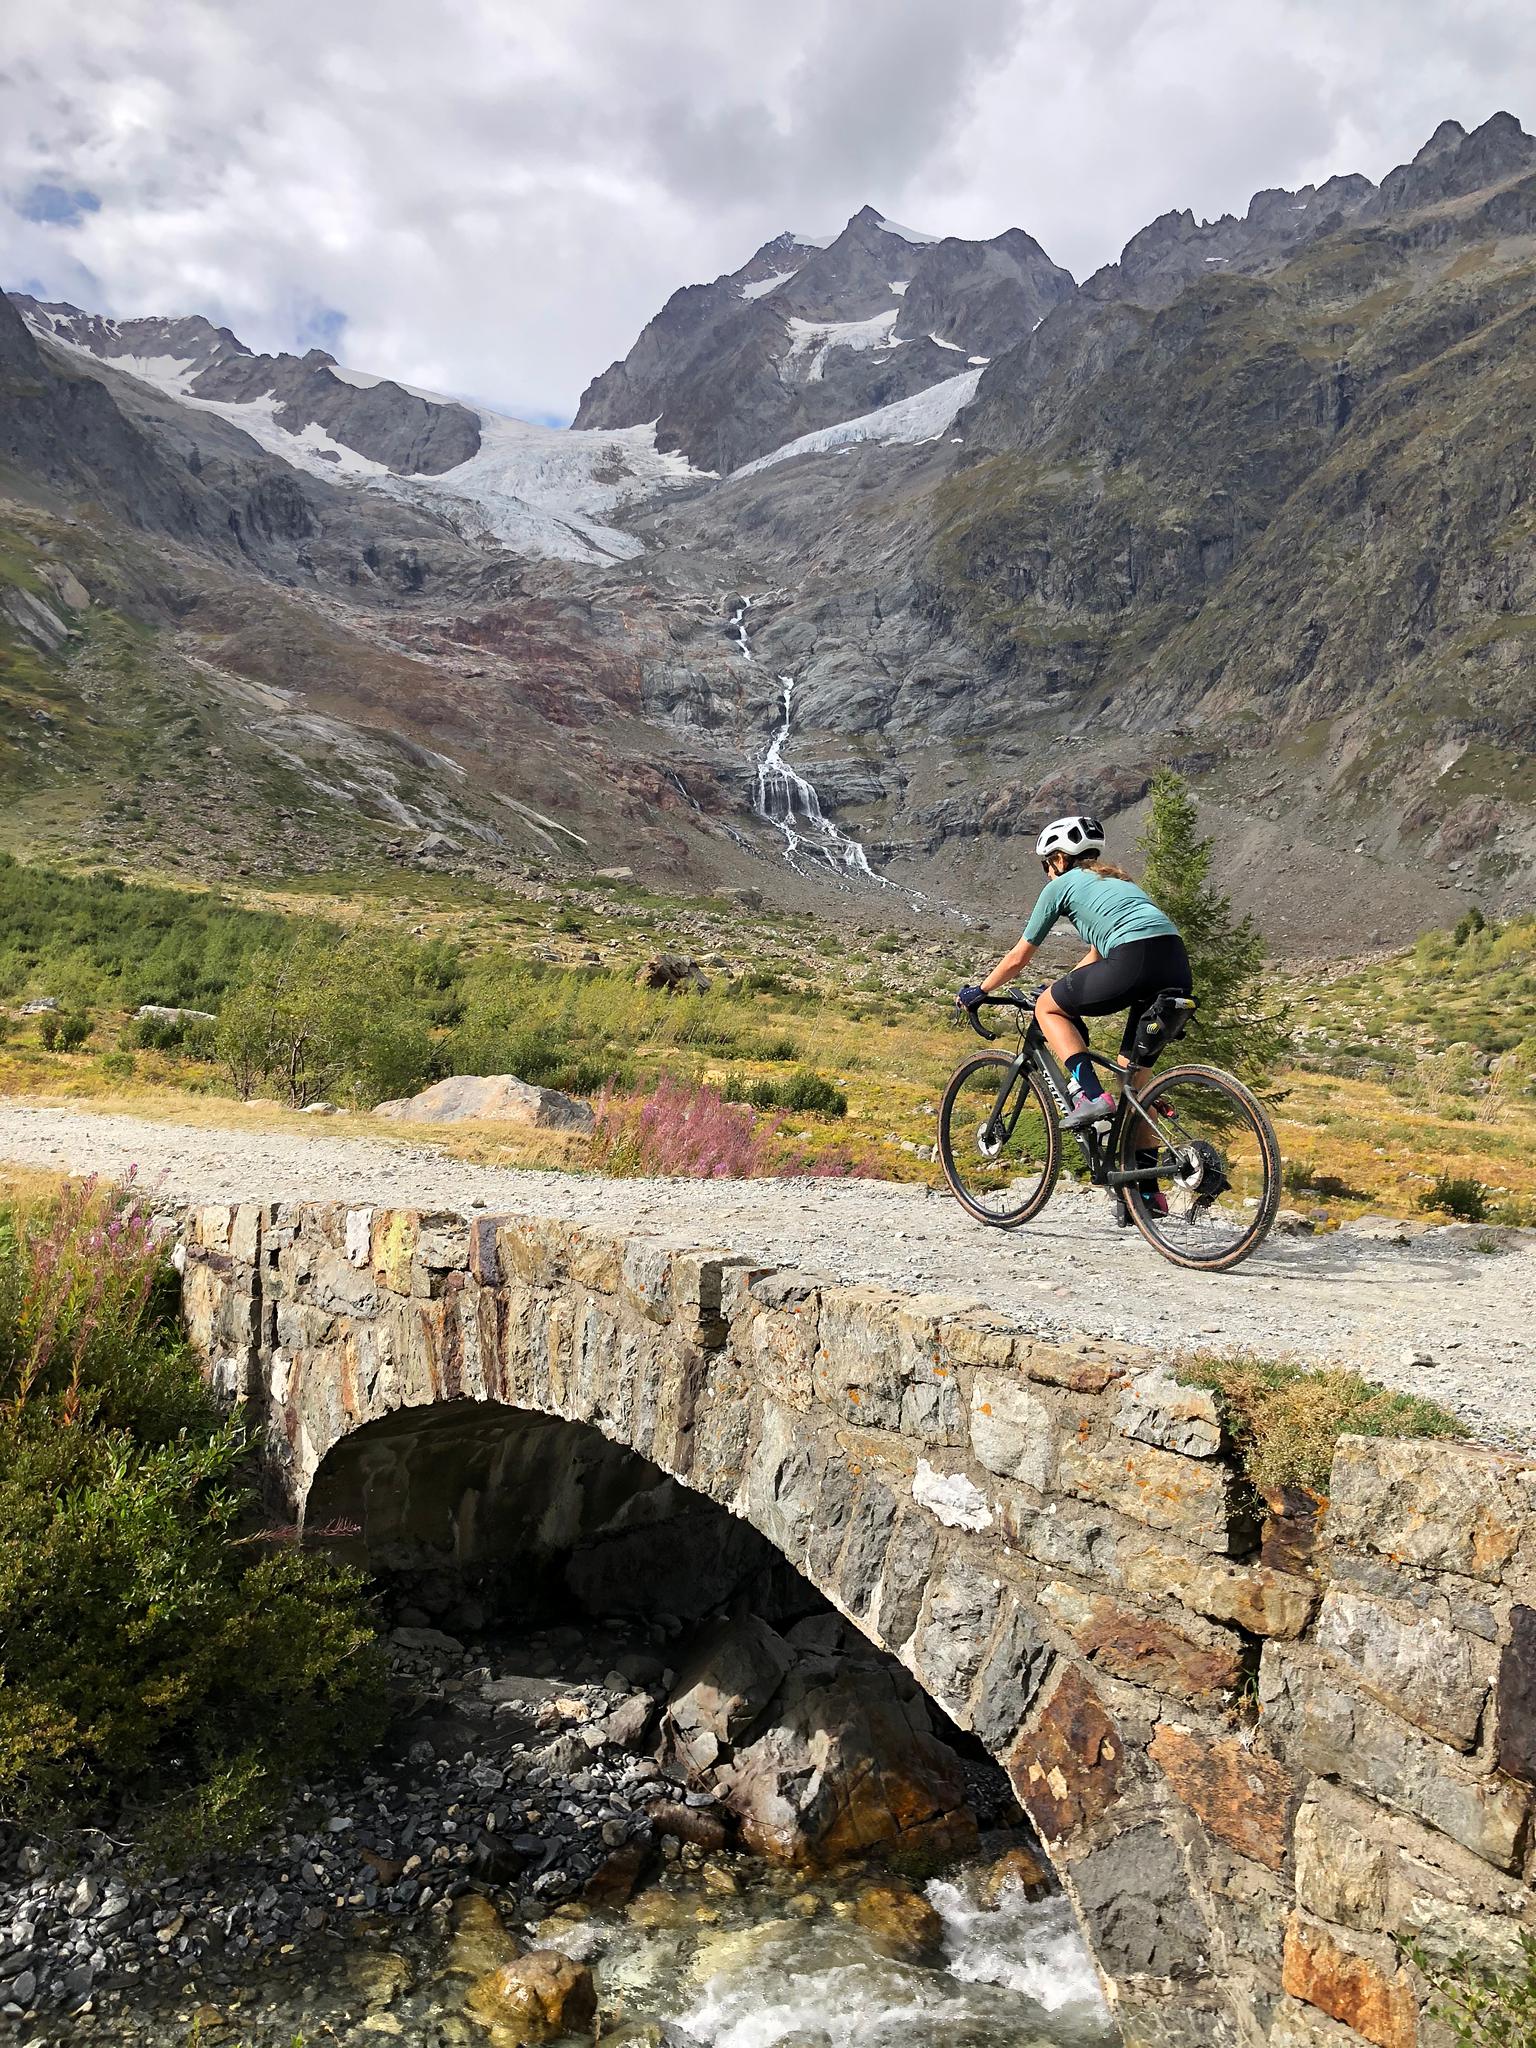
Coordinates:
x,y
536,1997
1017,1869
168,1013
615,875
902,1924
724,1689
850,1767
490,1098
674,973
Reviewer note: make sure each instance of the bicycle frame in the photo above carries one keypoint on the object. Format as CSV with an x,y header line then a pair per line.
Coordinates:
x,y
1099,1148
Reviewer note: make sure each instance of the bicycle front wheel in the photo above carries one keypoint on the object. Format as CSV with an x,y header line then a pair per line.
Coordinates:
x,y
999,1141
1218,1168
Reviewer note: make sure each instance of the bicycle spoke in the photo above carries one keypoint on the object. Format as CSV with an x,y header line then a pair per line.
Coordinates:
x,y
997,1143
1215,1164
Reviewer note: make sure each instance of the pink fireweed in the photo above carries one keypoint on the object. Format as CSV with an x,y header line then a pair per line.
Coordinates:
x,y
686,1129
83,1263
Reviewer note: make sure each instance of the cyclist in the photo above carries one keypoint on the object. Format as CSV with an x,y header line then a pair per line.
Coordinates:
x,y
1134,953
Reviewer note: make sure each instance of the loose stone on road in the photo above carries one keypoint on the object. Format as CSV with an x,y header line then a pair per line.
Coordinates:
x,y
1436,1316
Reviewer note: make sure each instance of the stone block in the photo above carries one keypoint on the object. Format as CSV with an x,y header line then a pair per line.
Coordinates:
x,y
979,1338
1250,1596
536,1249
1082,1371
1013,1431
871,1525
1014,1670
1195,1662
958,1618
1303,2026
834,1510
783,1478
904,1579
1136,1897
1320,1724
698,1283
1366,1869
1362,1989
245,1233
597,1260
1444,1507
1243,1796
781,1338
394,1247
210,1226
1154,1409
1428,1671
645,1271
859,1371
1067,1765
338,1286
1515,1698
1193,1498
932,1408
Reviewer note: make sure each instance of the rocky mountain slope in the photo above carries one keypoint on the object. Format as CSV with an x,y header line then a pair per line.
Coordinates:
x,y
810,332
1254,500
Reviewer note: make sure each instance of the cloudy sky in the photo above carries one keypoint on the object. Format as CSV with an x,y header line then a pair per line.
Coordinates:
x,y
492,196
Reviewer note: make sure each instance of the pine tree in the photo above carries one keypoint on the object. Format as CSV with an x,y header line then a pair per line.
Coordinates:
x,y
1226,952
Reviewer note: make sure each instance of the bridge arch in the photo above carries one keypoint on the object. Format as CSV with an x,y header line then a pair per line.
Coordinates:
x,y
1052,1538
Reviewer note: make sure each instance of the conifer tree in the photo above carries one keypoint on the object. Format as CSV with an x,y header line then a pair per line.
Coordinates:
x,y
1234,1028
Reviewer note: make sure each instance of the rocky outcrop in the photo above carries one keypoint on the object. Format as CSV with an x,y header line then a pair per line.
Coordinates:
x,y
807,334
411,435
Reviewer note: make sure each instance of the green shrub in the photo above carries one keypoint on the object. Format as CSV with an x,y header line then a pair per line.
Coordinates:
x,y
1285,1420
320,1016
1459,1195
144,1648
74,1030
804,1090
118,1065
193,1036
1486,2004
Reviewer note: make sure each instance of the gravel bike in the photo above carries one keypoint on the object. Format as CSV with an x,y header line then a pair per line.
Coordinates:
x,y
1216,1165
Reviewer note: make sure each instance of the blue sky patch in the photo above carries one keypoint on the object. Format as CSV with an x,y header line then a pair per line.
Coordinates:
x,y
58,206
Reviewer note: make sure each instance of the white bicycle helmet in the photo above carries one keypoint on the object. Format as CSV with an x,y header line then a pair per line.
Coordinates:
x,y
1071,836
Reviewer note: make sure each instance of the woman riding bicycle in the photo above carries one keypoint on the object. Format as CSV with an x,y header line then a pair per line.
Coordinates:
x,y
1134,954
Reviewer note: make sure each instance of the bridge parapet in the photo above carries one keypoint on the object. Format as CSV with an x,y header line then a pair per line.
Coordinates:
x,y
1256,1752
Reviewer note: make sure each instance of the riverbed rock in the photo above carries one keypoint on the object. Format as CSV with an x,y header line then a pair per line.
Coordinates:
x,y
536,1997
901,1923
481,1943
378,1976
849,1768
1019,1869
490,1098
725,1688
674,974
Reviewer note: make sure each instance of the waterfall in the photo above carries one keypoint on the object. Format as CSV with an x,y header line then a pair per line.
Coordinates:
x,y
788,801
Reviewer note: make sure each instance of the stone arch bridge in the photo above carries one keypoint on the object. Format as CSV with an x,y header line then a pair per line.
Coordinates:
x,y
1255,1751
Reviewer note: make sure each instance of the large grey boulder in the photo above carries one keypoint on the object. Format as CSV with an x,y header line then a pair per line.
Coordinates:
x,y
490,1098
849,1767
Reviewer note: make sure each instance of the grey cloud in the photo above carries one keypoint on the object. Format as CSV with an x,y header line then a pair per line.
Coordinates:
x,y
495,194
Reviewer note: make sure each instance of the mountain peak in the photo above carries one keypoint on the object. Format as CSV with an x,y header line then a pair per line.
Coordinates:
x,y
1445,137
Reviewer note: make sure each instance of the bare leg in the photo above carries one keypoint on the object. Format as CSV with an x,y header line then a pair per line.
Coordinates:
x,y
1146,1137
1062,1033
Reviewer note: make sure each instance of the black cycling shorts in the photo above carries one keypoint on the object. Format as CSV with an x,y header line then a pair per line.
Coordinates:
x,y
1128,977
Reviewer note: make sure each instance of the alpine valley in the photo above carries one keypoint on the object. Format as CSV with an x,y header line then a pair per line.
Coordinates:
x,y
867,557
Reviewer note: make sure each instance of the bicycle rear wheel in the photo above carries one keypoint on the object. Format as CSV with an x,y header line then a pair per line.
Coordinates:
x,y
1218,1166
1000,1158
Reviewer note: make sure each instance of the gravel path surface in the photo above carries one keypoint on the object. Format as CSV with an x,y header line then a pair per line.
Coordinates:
x,y
1434,1316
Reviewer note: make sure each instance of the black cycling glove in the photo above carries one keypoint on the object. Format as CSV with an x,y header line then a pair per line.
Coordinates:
x,y
970,996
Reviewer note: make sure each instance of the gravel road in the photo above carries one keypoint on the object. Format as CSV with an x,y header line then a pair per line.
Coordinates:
x,y
1434,1316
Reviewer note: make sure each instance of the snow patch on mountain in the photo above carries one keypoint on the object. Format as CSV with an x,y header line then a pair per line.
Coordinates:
x,y
764,285
925,416
915,235
818,338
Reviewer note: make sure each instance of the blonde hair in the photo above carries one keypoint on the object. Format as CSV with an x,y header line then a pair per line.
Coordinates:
x,y
1100,866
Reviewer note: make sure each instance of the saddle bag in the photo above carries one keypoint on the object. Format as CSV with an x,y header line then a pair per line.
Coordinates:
x,y
1164,1019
